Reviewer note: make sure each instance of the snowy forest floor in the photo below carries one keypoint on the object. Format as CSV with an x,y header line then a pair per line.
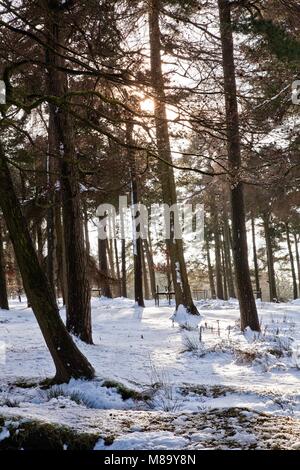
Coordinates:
x,y
157,386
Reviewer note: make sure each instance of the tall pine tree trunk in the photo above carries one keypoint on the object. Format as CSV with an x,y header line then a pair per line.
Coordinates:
x,y
136,228
224,270
291,256
51,170
117,266
218,262
247,304
137,257
255,262
145,276
182,289
227,253
298,260
210,271
3,288
68,360
78,306
39,240
228,271
169,280
86,228
151,268
103,266
270,258
60,251
123,268
110,254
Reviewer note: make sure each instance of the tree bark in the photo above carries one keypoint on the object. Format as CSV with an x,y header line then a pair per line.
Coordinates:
x,y
256,271
151,267
218,262
86,228
103,266
51,169
224,270
145,276
68,360
247,304
3,288
78,306
136,228
291,256
39,239
182,289
60,250
298,260
117,266
138,268
210,271
110,254
227,253
123,267
169,280
270,259
228,266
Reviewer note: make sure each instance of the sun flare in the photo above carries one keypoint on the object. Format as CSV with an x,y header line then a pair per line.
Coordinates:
x,y
147,105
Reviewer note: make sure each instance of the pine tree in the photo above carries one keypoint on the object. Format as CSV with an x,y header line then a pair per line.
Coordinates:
x,y
248,310
181,285
78,290
3,288
69,361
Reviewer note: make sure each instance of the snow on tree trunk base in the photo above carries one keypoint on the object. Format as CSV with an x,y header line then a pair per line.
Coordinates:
x,y
183,317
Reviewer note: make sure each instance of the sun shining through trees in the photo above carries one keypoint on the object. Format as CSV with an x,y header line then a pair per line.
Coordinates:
x,y
113,109
147,105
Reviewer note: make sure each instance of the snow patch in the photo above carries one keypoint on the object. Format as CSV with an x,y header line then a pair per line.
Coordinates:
x,y
160,440
182,317
4,434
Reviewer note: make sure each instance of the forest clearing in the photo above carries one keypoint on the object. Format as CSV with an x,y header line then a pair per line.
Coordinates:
x,y
149,226
156,365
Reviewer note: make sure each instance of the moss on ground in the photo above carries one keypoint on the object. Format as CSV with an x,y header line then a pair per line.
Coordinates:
x,y
35,435
213,391
125,392
23,383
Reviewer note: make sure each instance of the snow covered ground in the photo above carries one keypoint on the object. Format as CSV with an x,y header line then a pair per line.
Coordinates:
x,y
178,376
